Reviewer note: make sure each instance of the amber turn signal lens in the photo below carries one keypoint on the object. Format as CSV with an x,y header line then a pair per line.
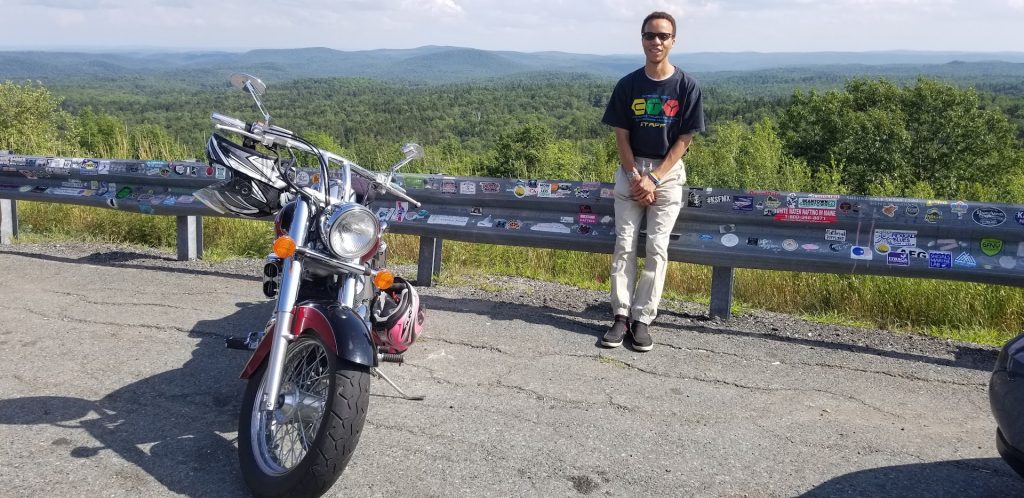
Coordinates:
x,y
384,279
284,247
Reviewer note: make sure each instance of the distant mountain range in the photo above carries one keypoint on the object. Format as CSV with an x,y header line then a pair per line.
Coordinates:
x,y
445,64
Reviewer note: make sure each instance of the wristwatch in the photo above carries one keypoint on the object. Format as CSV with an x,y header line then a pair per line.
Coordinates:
x,y
635,174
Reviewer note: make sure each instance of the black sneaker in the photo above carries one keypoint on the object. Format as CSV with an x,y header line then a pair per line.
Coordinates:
x,y
618,330
641,338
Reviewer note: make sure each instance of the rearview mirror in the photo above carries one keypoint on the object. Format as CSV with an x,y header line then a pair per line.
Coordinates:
x,y
249,83
412,151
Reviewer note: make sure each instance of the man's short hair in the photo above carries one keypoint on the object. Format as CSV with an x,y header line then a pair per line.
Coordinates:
x,y
660,15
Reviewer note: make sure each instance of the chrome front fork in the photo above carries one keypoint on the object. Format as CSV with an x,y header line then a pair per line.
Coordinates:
x,y
290,280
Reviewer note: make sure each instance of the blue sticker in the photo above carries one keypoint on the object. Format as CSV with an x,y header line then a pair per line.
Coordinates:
x,y
897,259
706,237
863,253
940,259
1020,217
965,260
741,203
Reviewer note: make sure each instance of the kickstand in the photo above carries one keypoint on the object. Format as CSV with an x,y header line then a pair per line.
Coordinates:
x,y
377,373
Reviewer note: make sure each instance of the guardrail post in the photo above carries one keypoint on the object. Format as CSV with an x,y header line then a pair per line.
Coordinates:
x,y
721,292
8,220
430,261
190,238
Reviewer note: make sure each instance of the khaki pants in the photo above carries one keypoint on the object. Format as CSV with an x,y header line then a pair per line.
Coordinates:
x,y
639,299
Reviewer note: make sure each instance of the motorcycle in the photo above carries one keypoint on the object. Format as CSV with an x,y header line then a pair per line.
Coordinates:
x,y
339,314
1006,398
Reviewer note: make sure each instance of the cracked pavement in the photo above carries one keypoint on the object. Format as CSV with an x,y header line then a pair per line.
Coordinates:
x,y
114,381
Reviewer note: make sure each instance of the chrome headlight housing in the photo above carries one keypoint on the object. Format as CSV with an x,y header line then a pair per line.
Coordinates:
x,y
350,230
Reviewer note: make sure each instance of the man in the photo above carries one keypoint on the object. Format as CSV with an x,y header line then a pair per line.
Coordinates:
x,y
655,111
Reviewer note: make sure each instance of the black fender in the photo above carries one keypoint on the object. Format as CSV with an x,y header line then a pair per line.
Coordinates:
x,y
340,328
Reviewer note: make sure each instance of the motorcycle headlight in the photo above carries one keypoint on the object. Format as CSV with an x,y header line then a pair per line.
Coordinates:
x,y
350,231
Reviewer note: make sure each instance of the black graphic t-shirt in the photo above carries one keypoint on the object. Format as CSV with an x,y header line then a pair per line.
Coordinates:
x,y
656,113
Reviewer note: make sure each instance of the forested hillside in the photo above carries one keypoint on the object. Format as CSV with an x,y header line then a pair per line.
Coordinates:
x,y
923,138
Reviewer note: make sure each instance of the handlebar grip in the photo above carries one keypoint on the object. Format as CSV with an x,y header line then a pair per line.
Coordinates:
x,y
228,120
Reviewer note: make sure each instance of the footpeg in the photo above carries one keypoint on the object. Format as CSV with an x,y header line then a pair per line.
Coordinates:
x,y
239,343
247,343
392,358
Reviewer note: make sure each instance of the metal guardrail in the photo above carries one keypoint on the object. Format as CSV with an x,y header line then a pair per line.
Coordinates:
x,y
147,187
727,229
721,228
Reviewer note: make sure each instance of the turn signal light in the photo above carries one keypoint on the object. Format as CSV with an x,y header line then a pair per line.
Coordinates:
x,y
384,279
284,247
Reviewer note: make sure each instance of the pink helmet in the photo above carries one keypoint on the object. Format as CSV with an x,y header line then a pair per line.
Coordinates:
x,y
397,317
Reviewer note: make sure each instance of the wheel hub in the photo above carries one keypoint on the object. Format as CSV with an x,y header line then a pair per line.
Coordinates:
x,y
296,406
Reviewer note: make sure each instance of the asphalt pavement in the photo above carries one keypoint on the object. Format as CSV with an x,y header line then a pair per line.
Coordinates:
x,y
114,382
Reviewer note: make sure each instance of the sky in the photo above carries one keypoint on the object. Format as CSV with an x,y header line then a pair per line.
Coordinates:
x,y
578,26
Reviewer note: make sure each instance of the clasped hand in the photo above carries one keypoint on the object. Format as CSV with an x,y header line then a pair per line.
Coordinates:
x,y
641,189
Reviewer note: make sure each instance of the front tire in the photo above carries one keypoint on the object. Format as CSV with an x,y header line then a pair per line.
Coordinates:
x,y
303,446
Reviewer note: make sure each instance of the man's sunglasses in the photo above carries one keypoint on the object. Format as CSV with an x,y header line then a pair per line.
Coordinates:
x,y
649,36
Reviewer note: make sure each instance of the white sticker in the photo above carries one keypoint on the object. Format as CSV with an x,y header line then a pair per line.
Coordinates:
x,y
551,227
835,235
568,219
65,191
730,240
467,188
486,222
444,219
790,245
896,238
384,214
401,209
543,189
104,168
862,253
1008,262
1020,249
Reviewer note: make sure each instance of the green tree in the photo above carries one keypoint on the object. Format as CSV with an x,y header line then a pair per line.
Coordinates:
x,y
31,121
888,138
520,152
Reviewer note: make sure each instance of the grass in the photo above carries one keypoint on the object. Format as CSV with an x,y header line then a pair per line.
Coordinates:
x,y
984,314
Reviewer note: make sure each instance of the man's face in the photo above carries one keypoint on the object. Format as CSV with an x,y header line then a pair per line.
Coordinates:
x,y
656,49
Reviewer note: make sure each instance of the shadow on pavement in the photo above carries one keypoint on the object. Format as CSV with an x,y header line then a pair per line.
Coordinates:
x,y
955,478
581,322
170,424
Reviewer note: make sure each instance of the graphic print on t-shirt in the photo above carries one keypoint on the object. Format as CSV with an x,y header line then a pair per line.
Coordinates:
x,y
655,111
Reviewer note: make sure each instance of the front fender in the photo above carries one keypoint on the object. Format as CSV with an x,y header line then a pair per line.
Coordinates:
x,y
340,328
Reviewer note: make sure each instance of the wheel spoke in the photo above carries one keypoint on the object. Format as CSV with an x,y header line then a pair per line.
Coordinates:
x,y
307,374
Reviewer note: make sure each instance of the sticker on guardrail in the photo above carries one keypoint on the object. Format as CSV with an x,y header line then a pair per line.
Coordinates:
x,y
942,260
989,217
442,219
991,247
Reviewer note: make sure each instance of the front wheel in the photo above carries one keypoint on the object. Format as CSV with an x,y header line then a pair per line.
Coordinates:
x,y
302,447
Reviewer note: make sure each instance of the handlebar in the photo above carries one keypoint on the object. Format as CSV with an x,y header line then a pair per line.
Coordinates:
x,y
274,135
228,120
